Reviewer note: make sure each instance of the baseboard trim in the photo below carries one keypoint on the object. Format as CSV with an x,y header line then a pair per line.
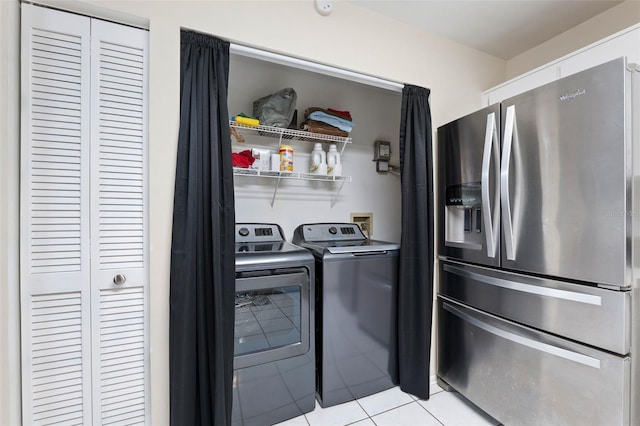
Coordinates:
x,y
433,380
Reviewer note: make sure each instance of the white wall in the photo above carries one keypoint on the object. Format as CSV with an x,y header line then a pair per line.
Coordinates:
x,y
352,38
609,22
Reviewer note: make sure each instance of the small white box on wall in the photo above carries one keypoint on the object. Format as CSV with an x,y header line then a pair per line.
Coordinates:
x,y
263,159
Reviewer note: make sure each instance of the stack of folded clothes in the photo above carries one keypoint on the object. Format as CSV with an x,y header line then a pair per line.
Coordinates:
x,y
327,121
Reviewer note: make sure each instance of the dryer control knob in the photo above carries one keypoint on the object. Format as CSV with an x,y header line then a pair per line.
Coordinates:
x,y
243,231
333,230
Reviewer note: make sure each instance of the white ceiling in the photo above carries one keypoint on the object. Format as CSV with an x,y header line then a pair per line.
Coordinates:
x,y
503,28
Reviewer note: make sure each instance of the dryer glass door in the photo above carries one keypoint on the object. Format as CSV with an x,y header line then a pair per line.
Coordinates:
x,y
271,315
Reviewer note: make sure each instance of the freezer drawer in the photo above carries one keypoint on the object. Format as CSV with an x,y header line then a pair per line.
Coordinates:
x,y
534,378
583,313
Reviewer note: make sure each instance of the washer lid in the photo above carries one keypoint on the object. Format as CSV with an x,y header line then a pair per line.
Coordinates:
x,y
367,247
338,238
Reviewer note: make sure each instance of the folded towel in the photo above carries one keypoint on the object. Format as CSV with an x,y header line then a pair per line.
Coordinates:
x,y
323,128
341,114
338,122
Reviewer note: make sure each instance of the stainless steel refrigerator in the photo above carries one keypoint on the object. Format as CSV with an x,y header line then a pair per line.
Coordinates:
x,y
539,254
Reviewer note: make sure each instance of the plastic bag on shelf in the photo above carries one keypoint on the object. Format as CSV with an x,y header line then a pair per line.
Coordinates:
x,y
277,109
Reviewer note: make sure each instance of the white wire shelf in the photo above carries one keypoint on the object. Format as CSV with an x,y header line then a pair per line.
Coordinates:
x,y
239,171
297,135
282,133
279,176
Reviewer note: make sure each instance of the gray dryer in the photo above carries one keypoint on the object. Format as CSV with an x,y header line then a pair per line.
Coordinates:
x,y
274,362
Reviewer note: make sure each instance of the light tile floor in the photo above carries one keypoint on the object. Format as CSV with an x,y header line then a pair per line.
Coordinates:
x,y
396,408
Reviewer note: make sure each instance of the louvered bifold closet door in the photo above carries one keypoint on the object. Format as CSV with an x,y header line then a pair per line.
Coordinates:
x,y
119,230
54,230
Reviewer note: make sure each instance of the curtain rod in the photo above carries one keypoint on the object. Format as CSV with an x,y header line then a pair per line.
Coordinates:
x,y
314,67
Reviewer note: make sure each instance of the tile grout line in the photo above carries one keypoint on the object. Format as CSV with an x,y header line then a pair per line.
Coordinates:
x,y
371,417
390,409
429,412
365,411
357,400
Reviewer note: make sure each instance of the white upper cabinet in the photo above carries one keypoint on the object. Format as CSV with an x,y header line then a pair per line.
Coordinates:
x,y
521,84
624,43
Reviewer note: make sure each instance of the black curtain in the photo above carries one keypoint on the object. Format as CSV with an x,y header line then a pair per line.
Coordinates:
x,y
415,293
202,249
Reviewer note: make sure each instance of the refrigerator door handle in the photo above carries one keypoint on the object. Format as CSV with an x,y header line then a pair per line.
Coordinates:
x,y
507,224
490,209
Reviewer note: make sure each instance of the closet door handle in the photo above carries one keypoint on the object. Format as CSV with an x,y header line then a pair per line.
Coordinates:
x,y
119,279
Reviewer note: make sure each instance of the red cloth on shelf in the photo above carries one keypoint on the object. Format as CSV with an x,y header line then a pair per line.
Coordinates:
x,y
242,159
343,114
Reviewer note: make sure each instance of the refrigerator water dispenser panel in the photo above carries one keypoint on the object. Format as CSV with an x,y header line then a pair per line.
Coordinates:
x,y
464,195
463,215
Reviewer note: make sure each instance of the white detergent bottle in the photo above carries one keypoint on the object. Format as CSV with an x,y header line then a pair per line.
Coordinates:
x,y
318,161
334,168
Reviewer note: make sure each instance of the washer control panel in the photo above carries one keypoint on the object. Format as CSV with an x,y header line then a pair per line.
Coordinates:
x,y
331,232
258,232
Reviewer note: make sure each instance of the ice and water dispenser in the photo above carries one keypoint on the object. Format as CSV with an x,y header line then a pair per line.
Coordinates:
x,y
463,215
